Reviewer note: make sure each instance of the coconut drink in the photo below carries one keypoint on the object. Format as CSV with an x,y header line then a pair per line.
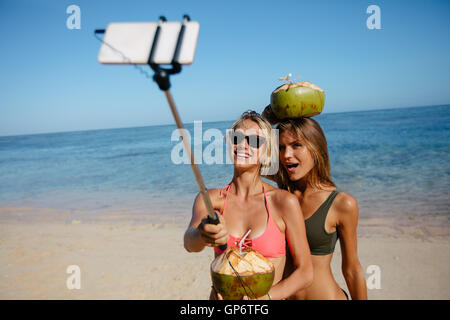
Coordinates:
x,y
237,273
295,100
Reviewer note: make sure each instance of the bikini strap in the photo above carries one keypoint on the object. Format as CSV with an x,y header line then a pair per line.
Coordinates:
x,y
264,190
227,188
265,199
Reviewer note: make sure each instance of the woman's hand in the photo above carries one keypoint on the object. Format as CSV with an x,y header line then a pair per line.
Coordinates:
x,y
214,234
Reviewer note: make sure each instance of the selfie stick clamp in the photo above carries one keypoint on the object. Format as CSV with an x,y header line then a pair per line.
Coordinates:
x,y
161,77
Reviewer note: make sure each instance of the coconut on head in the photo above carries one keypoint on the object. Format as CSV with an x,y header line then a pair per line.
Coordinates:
x,y
295,100
237,274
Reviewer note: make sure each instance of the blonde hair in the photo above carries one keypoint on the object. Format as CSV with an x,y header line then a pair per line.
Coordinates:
x,y
310,133
268,156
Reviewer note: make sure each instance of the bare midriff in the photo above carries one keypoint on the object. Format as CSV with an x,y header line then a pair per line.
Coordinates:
x,y
324,286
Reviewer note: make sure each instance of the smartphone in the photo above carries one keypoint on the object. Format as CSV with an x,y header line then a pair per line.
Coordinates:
x,y
134,42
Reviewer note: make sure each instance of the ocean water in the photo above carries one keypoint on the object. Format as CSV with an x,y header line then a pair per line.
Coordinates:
x,y
395,162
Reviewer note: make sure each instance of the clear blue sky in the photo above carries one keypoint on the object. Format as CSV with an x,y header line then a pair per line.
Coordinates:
x,y
51,81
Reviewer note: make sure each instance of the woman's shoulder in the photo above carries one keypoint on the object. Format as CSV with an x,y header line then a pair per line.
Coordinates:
x,y
346,205
217,193
345,201
213,193
280,197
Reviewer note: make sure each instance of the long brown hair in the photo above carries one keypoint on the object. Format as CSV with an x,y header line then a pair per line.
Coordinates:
x,y
310,133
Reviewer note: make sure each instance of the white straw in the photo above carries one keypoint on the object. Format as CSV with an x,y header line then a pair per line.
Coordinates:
x,y
242,240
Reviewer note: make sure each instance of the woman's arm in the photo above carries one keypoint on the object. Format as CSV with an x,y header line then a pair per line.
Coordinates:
x,y
198,234
302,276
347,208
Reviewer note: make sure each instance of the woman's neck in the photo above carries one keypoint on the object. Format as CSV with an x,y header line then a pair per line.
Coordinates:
x,y
247,183
306,188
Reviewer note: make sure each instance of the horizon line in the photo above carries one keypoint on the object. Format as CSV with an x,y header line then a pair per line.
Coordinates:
x,y
168,124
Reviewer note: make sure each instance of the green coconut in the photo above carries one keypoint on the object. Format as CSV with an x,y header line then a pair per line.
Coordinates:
x,y
295,100
256,274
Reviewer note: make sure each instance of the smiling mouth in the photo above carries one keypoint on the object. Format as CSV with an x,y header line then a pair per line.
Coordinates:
x,y
242,154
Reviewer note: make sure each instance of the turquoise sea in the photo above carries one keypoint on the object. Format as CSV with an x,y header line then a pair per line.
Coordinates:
x,y
396,162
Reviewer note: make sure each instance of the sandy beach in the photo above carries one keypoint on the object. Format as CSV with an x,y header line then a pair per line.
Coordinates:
x,y
126,260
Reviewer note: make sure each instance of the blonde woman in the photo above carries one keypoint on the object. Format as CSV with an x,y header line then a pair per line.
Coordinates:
x,y
247,203
328,213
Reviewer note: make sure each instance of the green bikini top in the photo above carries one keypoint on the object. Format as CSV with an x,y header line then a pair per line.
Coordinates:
x,y
320,241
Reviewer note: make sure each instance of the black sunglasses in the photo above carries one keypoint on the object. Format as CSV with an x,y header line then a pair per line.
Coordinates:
x,y
253,141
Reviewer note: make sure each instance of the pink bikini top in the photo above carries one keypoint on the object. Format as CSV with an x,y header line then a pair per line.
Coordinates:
x,y
271,244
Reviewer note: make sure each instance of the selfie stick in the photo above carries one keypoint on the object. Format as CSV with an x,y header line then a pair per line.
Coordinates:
x,y
161,77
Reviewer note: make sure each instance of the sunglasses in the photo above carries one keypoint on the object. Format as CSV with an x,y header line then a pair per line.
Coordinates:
x,y
253,141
